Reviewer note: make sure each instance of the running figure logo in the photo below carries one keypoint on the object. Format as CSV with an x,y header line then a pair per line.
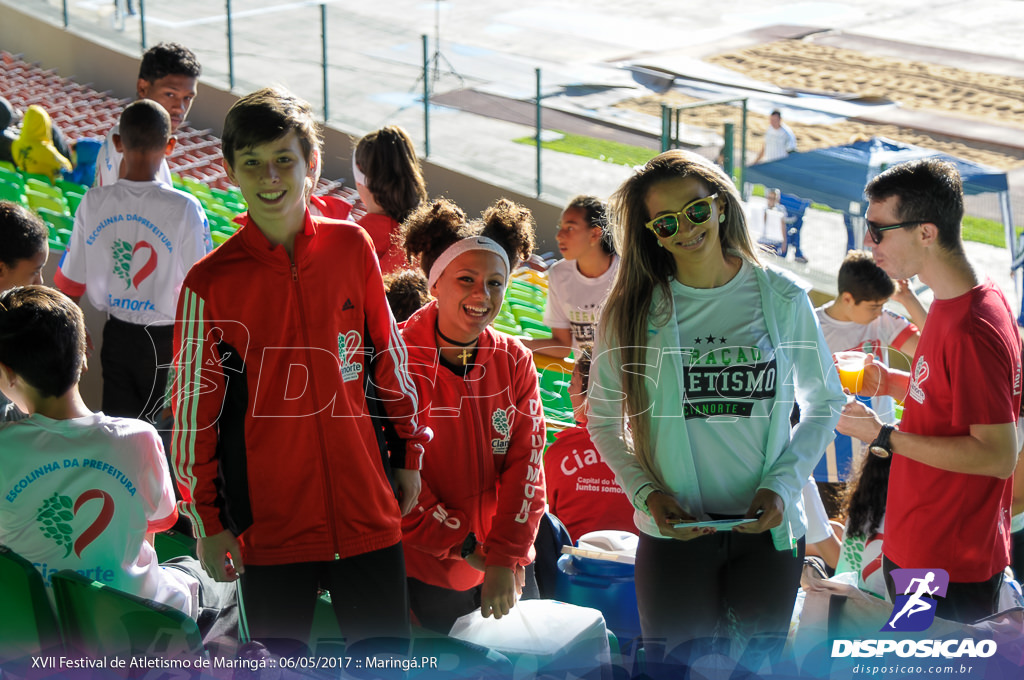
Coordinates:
x,y
914,610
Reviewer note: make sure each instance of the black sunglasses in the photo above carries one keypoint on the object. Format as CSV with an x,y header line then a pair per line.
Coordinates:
x,y
876,231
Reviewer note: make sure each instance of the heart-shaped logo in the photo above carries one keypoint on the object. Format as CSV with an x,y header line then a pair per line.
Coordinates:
x,y
352,346
102,520
148,267
57,512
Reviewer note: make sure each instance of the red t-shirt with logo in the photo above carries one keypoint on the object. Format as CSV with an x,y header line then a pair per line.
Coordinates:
x,y
581,487
966,372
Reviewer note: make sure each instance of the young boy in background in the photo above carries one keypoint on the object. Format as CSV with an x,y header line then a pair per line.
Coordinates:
x,y
168,75
132,243
23,253
856,320
279,335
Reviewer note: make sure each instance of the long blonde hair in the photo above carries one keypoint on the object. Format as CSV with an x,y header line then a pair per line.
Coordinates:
x,y
644,266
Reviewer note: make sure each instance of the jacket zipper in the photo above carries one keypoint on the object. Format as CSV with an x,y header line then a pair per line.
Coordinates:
x,y
478,457
332,530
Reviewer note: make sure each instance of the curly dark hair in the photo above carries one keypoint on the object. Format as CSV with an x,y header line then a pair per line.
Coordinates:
x,y
433,227
406,292
513,227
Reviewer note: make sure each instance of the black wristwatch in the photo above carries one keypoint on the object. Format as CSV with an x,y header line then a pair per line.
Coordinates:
x,y
881,446
469,545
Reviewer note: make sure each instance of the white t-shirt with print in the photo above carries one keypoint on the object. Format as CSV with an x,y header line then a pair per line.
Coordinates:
x,y
132,244
82,494
575,301
730,383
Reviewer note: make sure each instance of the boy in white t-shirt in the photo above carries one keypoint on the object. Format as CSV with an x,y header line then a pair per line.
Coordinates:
x,y
81,490
131,246
856,320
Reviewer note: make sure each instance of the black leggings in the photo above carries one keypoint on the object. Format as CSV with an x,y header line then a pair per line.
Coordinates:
x,y
368,594
726,584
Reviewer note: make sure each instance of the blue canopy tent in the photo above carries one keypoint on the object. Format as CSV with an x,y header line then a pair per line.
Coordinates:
x,y
836,177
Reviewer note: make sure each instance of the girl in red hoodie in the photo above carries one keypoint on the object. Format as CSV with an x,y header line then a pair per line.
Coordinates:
x,y
471,534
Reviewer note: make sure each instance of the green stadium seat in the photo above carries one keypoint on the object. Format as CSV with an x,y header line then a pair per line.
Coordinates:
x,y
64,237
101,621
12,192
44,188
534,329
511,329
56,220
531,289
28,625
74,200
171,544
7,165
11,177
37,201
521,312
36,176
68,186
520,297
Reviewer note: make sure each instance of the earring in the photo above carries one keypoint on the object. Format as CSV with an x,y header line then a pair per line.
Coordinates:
x,y
721,218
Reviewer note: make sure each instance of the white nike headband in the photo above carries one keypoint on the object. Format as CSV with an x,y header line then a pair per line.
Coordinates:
x,y
463,246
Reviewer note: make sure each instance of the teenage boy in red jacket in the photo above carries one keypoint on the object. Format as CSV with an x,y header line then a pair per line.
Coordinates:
x,y
279,332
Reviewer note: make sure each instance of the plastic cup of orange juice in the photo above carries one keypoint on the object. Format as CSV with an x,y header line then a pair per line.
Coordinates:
x,y
851,369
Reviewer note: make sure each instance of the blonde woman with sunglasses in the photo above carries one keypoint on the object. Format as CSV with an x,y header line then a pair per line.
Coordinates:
x,y
702,351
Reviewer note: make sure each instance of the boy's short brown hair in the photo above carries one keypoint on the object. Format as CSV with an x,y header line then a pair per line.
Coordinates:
x,y
863,279
265,115
144,126
42,338
22,233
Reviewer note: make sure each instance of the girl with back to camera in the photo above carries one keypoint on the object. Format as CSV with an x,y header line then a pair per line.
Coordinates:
x,y
721,347
471,534
578,284
390,184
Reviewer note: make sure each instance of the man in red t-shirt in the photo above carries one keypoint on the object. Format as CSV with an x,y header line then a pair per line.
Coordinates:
x,y
955,450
